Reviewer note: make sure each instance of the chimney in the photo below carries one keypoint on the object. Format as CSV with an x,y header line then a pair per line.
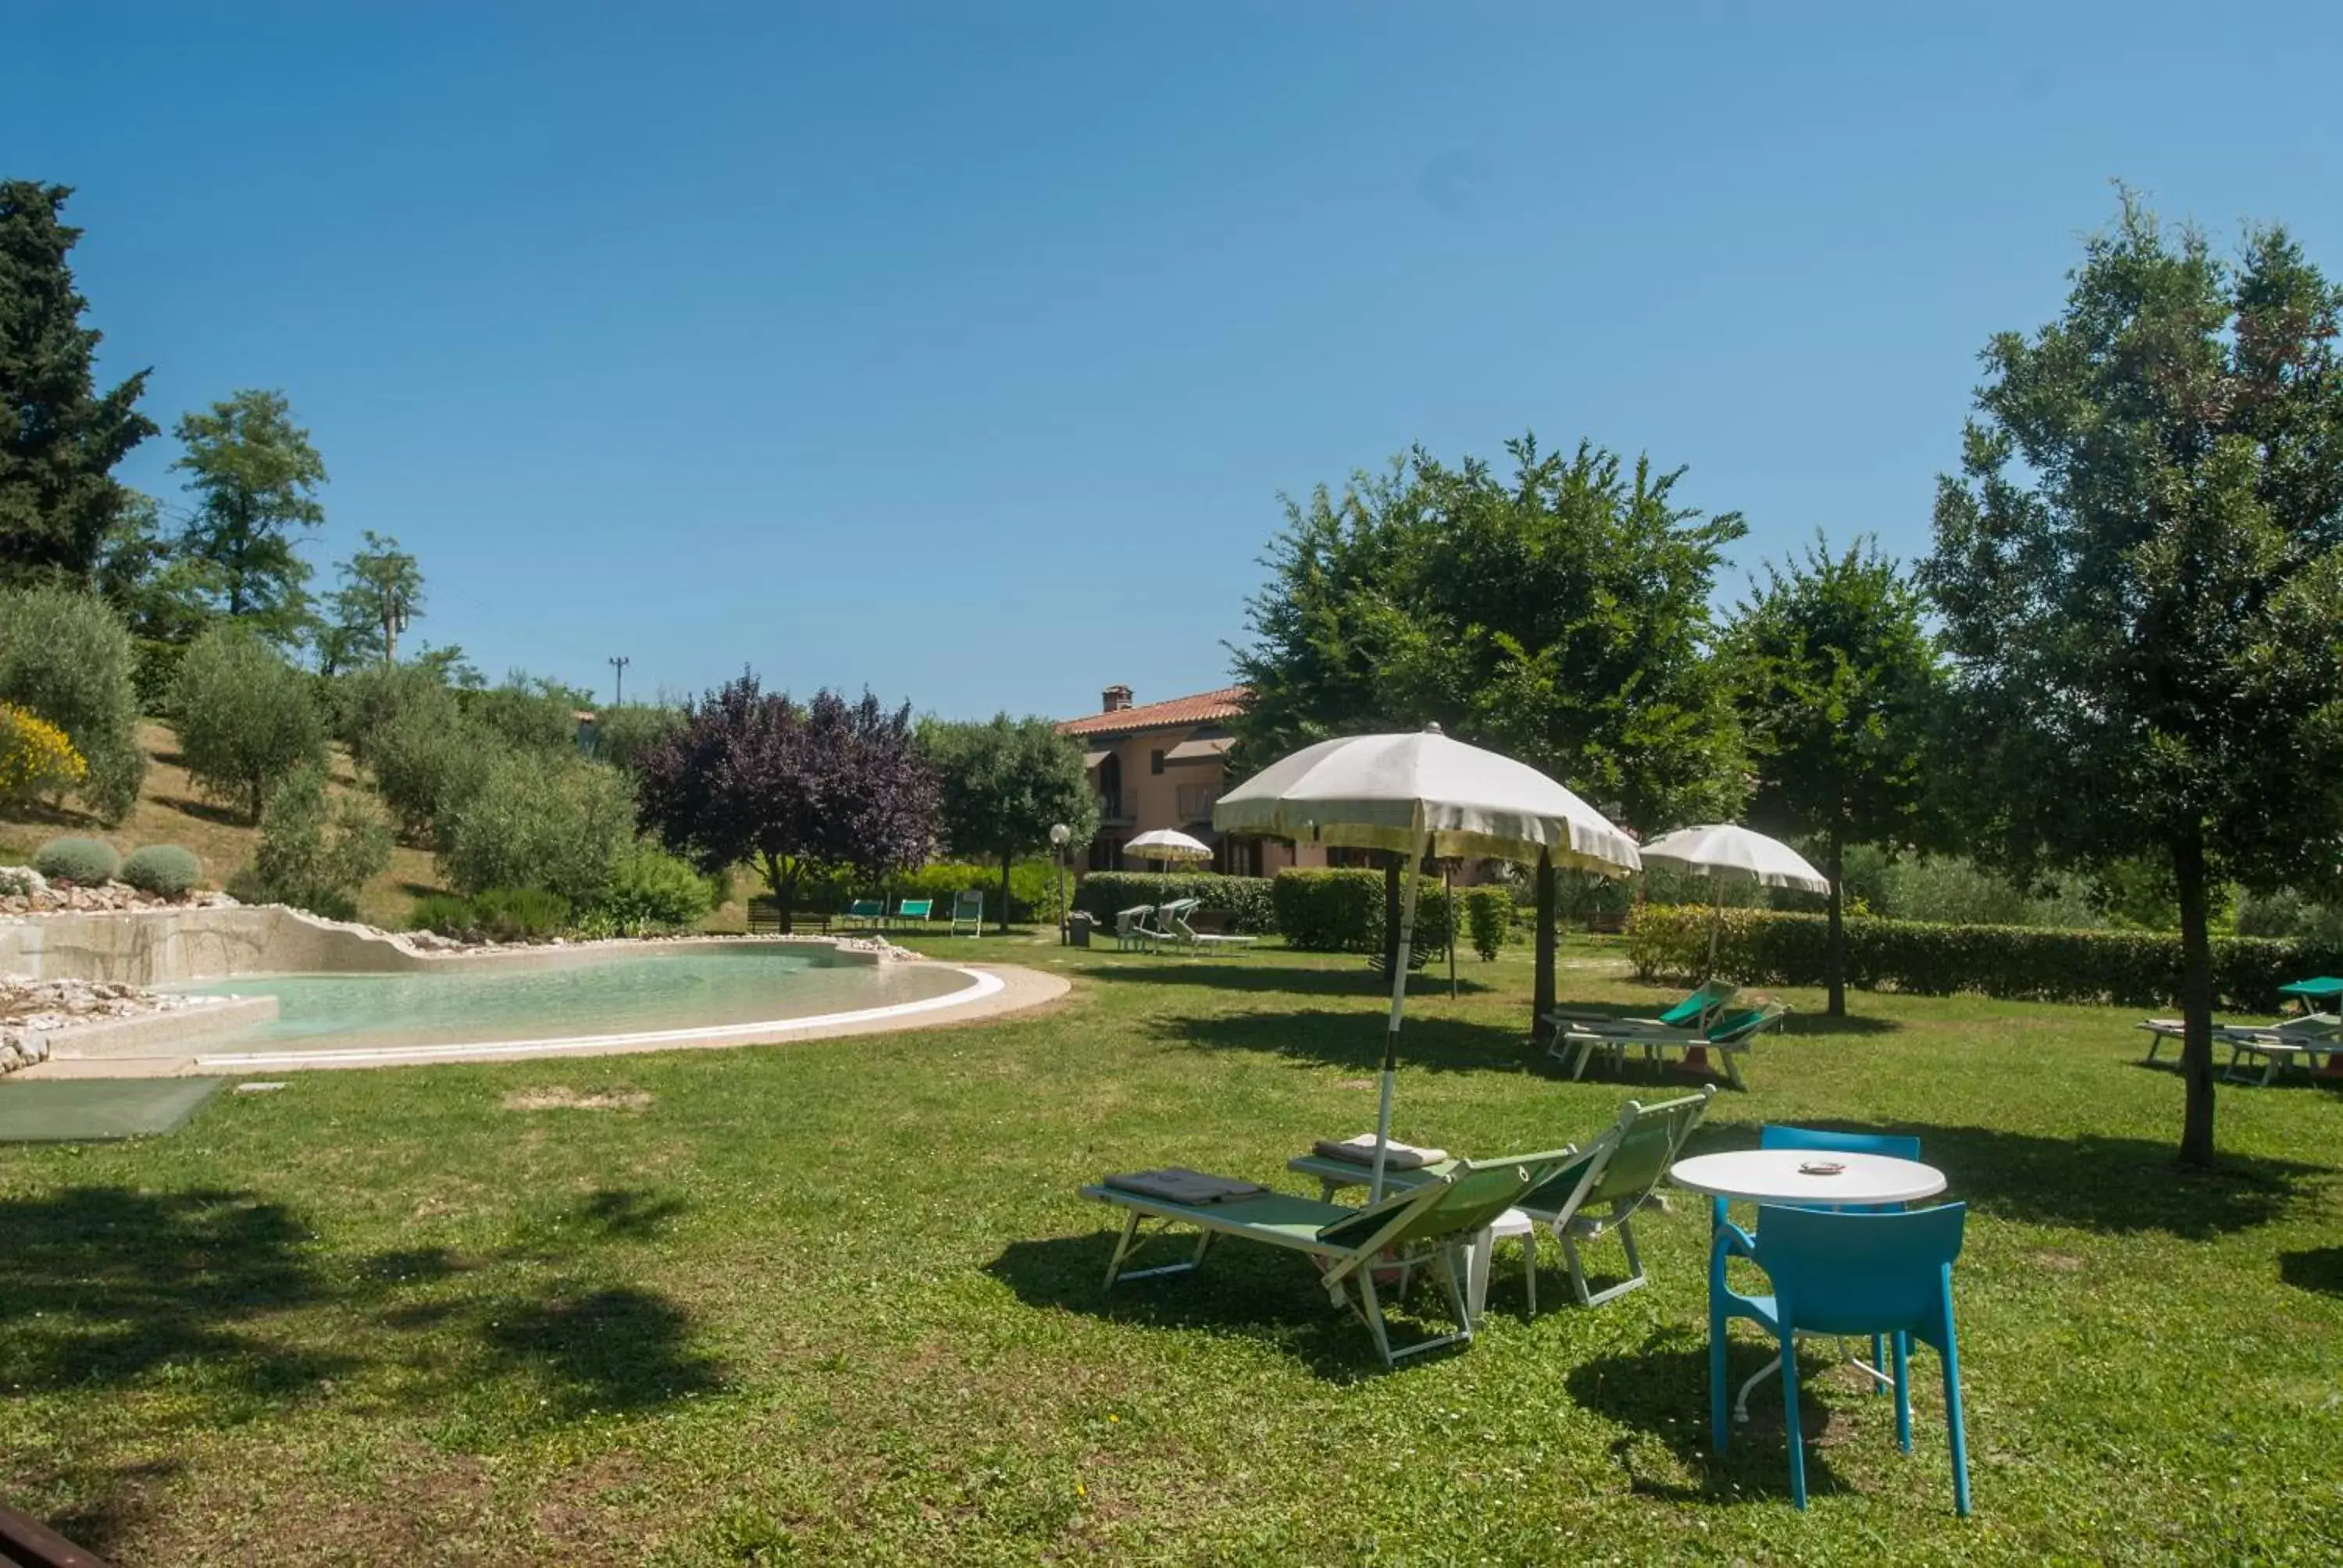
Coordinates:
x,y
1116,698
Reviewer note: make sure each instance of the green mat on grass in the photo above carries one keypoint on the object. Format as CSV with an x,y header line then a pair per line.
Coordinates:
x,y
98,1110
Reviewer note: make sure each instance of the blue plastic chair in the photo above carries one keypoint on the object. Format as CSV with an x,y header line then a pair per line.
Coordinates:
x,y
1894,1145
1844,1273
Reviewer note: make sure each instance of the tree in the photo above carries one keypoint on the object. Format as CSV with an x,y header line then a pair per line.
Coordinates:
x,y
751,776
59,436
1560,616
1004,784
2139,571
317,849
245,718
66,656
381,592
559,823
255,479
1837,681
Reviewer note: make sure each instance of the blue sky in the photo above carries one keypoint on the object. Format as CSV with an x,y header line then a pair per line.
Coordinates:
x,y
962,351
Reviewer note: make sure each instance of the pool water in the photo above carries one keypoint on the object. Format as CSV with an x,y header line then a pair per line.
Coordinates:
x,y
590,994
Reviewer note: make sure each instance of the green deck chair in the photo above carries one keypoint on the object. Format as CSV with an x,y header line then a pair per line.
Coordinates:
x,y
1594,1193
919,909
865,913
1729,1037
1428,1223
1694,1014
968,909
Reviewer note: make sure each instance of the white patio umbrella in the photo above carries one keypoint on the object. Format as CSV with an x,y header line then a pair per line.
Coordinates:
x,y
1421,795
1723,852
1168,844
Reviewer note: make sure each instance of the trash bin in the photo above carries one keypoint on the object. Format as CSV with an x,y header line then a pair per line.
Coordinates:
x,y
1078,927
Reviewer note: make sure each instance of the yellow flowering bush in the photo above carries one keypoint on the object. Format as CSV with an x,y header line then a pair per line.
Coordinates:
x,y
36,758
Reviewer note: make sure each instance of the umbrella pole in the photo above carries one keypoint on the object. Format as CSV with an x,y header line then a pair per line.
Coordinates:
x,y
1391,1039
1715,922
1448,876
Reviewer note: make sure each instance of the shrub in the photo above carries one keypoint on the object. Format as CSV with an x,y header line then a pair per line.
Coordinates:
x,y
86,862
624,736
534,715
1341,911
1488,916
154,671
535,820
247,719
1244,901
369,699
445,913
651,891
520,914
36,759
67,657
426,760
317,850
165,870
2018,963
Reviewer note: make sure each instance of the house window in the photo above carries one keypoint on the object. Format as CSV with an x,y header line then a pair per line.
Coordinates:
x,y
1155,762
1106,854
1238,856
1195,802
1110,790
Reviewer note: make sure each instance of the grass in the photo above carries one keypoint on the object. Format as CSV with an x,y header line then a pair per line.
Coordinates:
x,y
838,1302
172,810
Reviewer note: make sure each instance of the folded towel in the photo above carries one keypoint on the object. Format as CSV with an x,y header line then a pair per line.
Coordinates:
x,y
1361,1150
1177,1184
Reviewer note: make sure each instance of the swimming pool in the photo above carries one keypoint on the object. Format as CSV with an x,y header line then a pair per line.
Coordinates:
x,y
582,999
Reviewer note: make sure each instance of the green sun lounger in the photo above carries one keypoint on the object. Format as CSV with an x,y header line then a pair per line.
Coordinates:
x,y
919,909
1429,1223
1694,1014
865,913
1594,1193
1730,1036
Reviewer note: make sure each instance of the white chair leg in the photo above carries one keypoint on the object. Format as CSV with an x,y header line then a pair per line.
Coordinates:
x,y
1477,1274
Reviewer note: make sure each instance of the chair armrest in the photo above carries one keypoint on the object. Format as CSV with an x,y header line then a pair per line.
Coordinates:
x,y
1732,1242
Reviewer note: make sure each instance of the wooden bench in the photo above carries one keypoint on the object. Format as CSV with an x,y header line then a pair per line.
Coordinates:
x,y
765,917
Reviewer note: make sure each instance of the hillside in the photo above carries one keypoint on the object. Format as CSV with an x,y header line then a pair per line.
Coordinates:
x,y
172,811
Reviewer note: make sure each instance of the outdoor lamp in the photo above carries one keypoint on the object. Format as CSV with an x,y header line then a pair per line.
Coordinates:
x,y
1058,836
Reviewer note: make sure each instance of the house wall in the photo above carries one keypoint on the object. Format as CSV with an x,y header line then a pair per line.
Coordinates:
x,y
1151,800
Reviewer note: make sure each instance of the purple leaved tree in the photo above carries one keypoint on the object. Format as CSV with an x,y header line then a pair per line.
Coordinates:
x,y
831,786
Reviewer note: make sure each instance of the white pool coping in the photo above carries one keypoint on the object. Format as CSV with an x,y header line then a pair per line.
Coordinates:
x,y
982,983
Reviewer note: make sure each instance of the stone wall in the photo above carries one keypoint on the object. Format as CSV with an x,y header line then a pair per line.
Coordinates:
x,y
164,946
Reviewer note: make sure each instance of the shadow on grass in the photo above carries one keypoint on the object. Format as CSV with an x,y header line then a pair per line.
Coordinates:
x,y
207,810
1266,974
1661,1391
1355,1040
112,1500
224,1293
2313,1269
1262,1293
2118,1186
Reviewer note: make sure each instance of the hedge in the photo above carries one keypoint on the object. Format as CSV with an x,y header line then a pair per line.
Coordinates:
x,y
2017,963
1341,911
1032,888
1245,901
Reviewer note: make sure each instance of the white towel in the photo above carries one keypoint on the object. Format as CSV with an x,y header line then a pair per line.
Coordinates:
x,y
1399,1156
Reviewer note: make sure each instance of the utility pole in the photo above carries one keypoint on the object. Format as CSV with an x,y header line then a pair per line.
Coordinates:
x,y
618,686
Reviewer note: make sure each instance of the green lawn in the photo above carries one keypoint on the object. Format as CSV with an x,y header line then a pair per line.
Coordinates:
x,y
839,1303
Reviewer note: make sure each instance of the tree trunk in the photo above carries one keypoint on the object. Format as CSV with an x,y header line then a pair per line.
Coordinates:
x,y
1006,856
1834,958
1542,997
785,891
1391,910
2196,998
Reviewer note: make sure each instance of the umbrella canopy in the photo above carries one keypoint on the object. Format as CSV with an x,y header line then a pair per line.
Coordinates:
x,y
1724,851
1421,795
1168,844
1424,795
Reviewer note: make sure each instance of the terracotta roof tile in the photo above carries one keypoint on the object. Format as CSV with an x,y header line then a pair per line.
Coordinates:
x,y
1177,712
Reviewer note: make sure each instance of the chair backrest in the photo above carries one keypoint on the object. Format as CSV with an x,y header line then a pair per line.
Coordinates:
x,y
1129,920
1835,1272
1733,1027
968,906
1894,1145
1176,916
1465,1200
915,908
1698,1007
1644,1140
867,909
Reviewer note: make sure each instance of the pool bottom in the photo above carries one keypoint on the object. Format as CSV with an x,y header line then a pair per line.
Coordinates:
x,y
980,986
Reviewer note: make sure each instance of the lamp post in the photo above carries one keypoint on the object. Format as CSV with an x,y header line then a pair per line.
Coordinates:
x,y
1058,836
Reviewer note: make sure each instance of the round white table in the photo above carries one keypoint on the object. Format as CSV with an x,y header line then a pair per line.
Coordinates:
x,y
1777,1176
1774,1176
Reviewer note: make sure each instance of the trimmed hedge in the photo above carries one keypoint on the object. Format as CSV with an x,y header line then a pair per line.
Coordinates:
x,y
1489,917
85,862
1032,888
1341,911
165,870
2015,963
1246,901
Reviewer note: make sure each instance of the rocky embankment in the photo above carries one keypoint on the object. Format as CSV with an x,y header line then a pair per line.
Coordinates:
x,y
24,892
32,1010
